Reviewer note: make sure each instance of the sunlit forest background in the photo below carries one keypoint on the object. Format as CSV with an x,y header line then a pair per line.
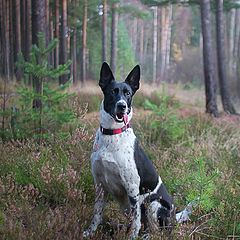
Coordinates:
x,y
186,113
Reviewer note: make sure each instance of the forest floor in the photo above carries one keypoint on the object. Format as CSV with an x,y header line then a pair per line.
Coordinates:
x,y
47,192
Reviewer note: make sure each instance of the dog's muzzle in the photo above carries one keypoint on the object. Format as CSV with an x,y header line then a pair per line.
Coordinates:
x,y
121,112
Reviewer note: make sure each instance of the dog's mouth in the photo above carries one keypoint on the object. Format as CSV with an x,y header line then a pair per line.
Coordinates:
x,y
121,117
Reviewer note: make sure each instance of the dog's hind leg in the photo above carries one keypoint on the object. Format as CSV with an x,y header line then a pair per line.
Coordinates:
x,y
98,211
159,215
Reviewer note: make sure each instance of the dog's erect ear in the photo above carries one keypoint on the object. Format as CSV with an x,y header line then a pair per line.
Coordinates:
x,y
133,78
106,76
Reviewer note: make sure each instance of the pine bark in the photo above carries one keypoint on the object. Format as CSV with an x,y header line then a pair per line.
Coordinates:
x,y
236,43
209,70
51,34
1,39
84,42
155,38
28,31
222,73
166,29
134,34
11,42
163,43
63,41
74,46
114,37
17,30
7,40
169,36
104,32
56,52
231,39
141,42
47,22
38,25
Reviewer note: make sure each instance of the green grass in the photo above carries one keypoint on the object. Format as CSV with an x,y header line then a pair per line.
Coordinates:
x,y
47,191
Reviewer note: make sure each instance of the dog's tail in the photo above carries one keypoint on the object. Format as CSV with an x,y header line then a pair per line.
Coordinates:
x,y
183,216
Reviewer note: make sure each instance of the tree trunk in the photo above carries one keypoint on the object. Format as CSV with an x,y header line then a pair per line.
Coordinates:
x,y
231,40
23,24
51,34
74,47
17,45
28,31
47,22
104,31
56,51
63,41
38,25
166,29
141,42
11,36
134,34
17,26
236,42
114,38
222,73
163,43
1,39
169,35
7,40
155,38
84,42
209,70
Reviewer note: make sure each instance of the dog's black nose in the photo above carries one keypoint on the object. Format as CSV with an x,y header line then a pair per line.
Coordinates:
x,y
121,106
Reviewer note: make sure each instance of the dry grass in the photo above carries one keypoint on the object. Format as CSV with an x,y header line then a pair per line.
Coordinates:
x,y
47,192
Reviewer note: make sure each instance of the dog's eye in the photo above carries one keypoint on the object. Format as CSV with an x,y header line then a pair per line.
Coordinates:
x,y
115,91
127,93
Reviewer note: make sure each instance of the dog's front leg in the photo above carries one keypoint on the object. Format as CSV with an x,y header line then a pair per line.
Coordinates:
x,y
136,216
98,211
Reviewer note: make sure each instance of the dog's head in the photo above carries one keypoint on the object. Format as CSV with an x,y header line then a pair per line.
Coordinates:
x,y
118,95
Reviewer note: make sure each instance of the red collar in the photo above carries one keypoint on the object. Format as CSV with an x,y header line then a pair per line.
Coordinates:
x,y
114,131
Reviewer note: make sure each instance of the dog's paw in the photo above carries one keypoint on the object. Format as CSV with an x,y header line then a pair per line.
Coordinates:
x,y
87,233
145,236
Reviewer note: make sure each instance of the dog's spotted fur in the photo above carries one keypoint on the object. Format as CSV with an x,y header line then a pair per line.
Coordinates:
x,y
120,166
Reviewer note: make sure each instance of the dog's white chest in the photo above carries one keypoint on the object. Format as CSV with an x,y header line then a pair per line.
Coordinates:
x,y
113,162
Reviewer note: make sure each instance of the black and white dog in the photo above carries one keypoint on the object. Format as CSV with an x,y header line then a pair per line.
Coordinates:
x,y
120,166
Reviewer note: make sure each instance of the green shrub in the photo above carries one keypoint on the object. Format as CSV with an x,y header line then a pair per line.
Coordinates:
x,y
25,118
54,114
165,125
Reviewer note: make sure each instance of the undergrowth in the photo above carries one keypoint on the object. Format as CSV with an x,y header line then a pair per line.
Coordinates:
x,y
47,192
